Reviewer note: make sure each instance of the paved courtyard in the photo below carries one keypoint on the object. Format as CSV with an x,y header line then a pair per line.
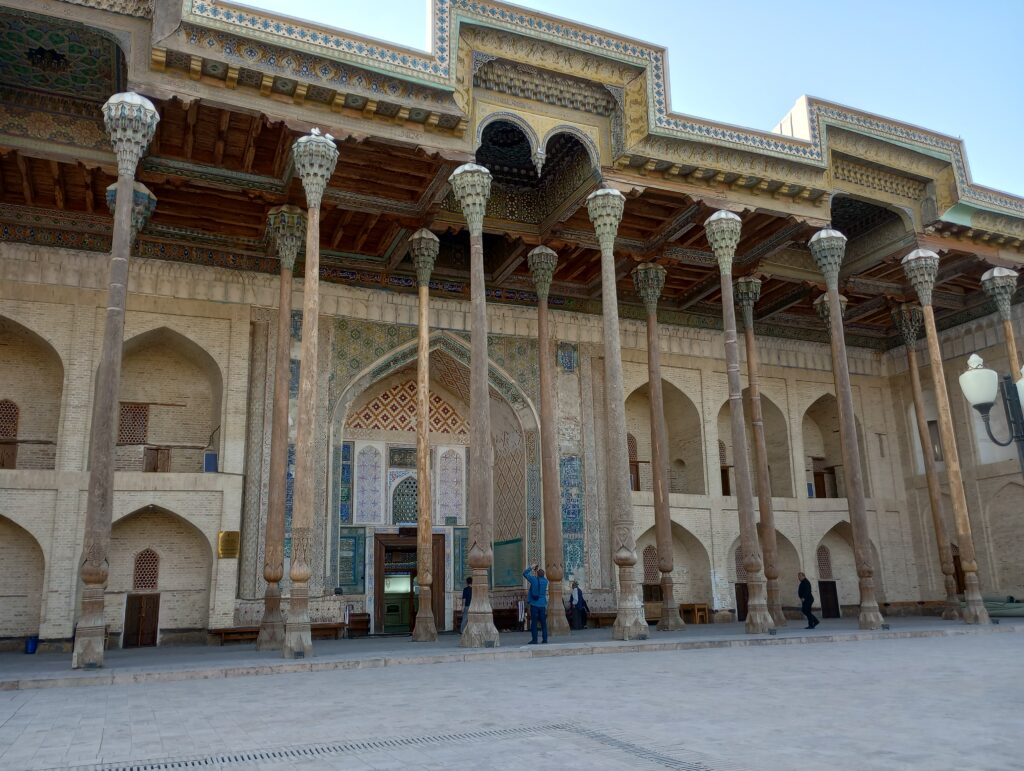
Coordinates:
x,y
921,703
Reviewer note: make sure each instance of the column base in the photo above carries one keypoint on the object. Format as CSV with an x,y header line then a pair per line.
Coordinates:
x,y
480,631
951,612
298,640
271,636
90,632
557,623
724,617
974,612
630,623
870,616
775,602
425,629
759,620
670,619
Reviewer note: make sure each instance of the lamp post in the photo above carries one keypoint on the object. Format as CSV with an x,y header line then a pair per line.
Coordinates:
x,y
828,247
980,385
723,232
921,267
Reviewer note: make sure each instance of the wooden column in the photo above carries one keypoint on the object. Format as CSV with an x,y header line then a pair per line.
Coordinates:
x,y
723,233
828,247
1000,284
908,320
921,267
424,247
649,279
748,290
542,263
130,121
286,226
315,157
605,208
472,187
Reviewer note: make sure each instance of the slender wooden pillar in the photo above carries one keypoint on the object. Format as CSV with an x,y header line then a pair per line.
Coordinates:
x,y
130,121
748,290
723,233
424,247
286,226
542,263
921,267
1000,284
315,157
605,208
649,279
828,247
472,187
908,320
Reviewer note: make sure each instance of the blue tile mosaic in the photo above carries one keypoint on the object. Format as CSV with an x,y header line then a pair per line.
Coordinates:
x,y
568,356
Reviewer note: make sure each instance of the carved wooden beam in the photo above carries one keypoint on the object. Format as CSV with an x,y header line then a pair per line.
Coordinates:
x,y
783,302
706,286
514,256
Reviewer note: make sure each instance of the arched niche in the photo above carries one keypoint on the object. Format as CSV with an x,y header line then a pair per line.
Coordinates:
x,y
839,542
33,383
691,565
170,396
22,570
1006,526
185,559
777,445
823,449
685,438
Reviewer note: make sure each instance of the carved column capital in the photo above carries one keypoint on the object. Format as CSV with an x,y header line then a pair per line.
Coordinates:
x,y
543,262
822,307
286,227
1000,284
315,157
908,320
605,208
424,246
827,248
723,232
921,267
130,121
649,280
143,203
747,291
471,184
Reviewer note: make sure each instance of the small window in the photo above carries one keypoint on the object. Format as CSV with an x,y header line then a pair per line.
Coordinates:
x,y
741,572
147,571
933,435
650,565
824,557
8,434
134,423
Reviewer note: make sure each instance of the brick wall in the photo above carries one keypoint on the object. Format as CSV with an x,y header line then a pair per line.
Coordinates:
x,y
21,581
33,379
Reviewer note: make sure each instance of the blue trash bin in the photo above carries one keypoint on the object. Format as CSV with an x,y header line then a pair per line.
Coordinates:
x,y
31,643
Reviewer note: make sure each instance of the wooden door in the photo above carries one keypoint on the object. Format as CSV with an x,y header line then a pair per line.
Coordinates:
x,y
726,489
9,455
437,583
741,602
829,599
958,575
820,490
382,541
141,620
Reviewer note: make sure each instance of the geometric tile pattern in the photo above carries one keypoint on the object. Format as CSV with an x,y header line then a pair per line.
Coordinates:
x,y
133,424
509,486
369,476
741,572
451,496
395,410
824,557
403,501
570,469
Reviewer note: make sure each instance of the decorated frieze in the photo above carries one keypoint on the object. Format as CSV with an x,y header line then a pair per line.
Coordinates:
x,y
142,9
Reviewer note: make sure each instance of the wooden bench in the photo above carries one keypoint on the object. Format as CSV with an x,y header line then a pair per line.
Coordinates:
x,y
599,618
505,620
358,625
318,631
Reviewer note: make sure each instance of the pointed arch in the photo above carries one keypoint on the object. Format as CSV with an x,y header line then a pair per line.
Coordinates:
x,y
1005,527
516,120
691,565
581,136
23,565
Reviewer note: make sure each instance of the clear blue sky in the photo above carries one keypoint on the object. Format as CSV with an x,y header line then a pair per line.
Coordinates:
x,y
953,67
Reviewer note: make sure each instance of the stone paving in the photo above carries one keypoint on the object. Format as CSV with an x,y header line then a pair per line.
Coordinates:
x,y
947,701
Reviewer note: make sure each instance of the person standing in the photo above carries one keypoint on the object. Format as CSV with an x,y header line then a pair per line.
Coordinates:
x,y
467,598
578,609
538,599
806,601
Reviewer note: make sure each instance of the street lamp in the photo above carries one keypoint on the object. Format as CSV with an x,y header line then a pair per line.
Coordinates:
x,y
980,386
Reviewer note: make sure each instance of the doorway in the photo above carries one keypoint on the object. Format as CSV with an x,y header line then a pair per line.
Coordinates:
x,y
828,596
394,569
141,620
741,602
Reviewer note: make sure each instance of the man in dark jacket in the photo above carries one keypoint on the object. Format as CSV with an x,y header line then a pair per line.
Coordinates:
x,y
467,598
806,601
538,599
